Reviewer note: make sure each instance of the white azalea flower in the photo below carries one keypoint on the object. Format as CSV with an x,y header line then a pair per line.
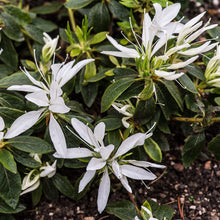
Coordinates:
x,y
168,75
48,170
127,110
49,96
49,47
102,159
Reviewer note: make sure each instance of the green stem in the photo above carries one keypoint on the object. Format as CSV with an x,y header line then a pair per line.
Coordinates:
x,y
20,4
213,120
72,20
29,46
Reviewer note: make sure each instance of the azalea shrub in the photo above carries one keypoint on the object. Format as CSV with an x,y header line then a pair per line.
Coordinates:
x,y
81,97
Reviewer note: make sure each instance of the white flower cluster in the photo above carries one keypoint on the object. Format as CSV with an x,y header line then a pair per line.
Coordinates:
x,y
156,34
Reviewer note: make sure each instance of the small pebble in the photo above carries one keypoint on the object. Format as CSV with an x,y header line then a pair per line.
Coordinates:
x,y
178,167
207,165
192,207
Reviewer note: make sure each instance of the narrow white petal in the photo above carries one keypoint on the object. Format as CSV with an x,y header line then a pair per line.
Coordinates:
x,y
106,151
23,123
32,188
191,22
162,73
99,132
58,106
174,76
103,192
182,64
96,164
57,136
25,88
124,122
145,164
145,32
2,123
86,179
39,98
55,90
160,43
137,173
124,182
74,70
131,142
83,130
72,153
1,135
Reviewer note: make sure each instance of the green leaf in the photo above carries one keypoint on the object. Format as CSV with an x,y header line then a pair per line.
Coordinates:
x,y
90,71
153,149
25,159
10,187
12,30
192,148
124,73
11,101
75,4
187,83
34,33
19,15
194,71
10,114
9,55
44,25
36,195
215,33
111,123
161,212
118,10
99,17
98,38
217,101
47,8
124,210
63,184
161,140
4,208
49,189
31,144
97,77
74,163
6,217
114,138
148,91
144,111
133,90
213,146
18,78
5,70
175,93
113,92
7,160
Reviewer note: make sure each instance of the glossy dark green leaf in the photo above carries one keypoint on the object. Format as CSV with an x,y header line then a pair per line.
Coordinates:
x,y
4,208
217,100
44,25
10,187
18,14
47,8
97,77
192,148
49,189
31,144
114,138
161,140
174,92
118,10
63,184
153,150
7,160
124,73
163,125
36,195
11,101
111,123
132,91
215,33
9,55
74,163
34,33
5,70
9,115
75,4
99,17
113,92
124,210
195,71
144,111
18,78
187,83
214,146
97,38
12,29
25,159
148,91
161,212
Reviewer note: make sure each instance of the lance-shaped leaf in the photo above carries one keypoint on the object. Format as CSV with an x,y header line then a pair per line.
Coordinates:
x,y
7,160
213,146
